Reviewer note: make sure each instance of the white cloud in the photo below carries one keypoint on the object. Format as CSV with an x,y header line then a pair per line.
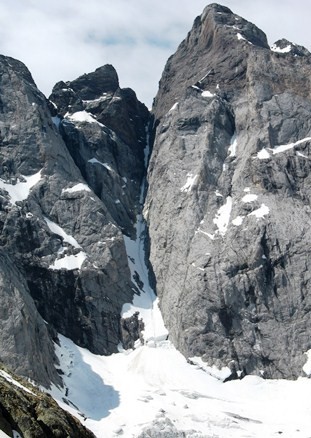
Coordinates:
x,y
62,39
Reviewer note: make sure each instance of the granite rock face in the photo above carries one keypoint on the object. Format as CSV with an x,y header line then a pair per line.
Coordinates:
x,y
69,189
228,203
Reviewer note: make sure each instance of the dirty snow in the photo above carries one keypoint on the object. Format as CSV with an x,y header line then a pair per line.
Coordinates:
x,y
21,190
80,187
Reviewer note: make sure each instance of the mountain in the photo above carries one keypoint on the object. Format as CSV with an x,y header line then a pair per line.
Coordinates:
x,y
112,218
64,206
229,178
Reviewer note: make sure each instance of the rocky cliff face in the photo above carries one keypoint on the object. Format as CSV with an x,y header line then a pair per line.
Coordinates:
x,y
228,204
69,189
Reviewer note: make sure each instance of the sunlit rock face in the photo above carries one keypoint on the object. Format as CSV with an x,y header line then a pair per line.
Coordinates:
x,y
228,203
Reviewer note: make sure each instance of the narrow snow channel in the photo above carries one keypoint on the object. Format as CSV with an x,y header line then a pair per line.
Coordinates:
x,y
146,303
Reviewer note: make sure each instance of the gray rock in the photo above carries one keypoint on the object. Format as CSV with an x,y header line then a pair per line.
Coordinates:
x,y
26,345
131,330
110,151
233,286
63,236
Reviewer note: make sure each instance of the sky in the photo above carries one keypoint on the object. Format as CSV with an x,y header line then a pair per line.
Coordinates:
x,y
62,39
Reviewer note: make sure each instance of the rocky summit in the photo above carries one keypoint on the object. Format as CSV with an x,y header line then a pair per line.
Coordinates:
x,y
216,220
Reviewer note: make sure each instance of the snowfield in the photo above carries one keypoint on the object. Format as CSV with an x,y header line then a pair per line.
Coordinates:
x,y
123,393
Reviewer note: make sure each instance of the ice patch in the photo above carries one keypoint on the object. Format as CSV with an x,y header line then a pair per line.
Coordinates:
x,y
174,107
80,187
263,154
301,155
276,48
249,198
189,183
241,37
247,190
21,190
56,229
207,94
233,146
238,221
56,121
218,194
222,217
211,236
95,161
286,147
82,116
103,97
260,212
69,262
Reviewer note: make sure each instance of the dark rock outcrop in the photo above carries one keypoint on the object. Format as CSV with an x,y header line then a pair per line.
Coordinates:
x,y
228,204
33,414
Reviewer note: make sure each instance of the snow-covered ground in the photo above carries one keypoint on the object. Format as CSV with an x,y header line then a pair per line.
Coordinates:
x,y
121,394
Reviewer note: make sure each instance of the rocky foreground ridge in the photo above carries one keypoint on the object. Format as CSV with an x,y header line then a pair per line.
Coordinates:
x,y
33,414
227,205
